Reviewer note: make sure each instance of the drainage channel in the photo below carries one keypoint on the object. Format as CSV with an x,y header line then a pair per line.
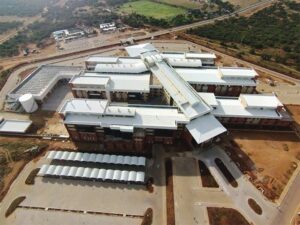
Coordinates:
x,y
82,212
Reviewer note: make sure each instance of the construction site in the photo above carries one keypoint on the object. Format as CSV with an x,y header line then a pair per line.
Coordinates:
x,y
183,134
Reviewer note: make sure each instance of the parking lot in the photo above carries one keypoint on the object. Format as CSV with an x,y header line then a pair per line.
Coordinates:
x,y
66,201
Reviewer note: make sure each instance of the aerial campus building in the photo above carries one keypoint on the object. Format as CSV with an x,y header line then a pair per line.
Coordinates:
x,y
149,97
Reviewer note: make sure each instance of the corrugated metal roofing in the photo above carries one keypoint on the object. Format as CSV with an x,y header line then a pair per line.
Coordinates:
x,y
87,173
97,158
14,126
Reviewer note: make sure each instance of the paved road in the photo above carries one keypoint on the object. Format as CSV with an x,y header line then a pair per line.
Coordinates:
x,y
280,213
241,11
13,78
291,201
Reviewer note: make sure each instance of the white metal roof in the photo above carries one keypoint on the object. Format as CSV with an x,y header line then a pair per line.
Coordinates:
x,y
232,107
43,170
112,59
145,117
130,83
189,55
43,79
89,106
97,158
121,68
260,101
182,62
51,154
79,172
212,76
92,173
87,172
137,50
204,128
57,170
101,174
102,59
90,81
72,171
237,72
14,126
183,94
117,175
50,170
132,176
121,82
65,171
124,175
209,98
140,176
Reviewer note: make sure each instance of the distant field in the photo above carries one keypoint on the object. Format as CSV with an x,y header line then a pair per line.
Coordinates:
x,y
184,3
192,4
242,3
152,9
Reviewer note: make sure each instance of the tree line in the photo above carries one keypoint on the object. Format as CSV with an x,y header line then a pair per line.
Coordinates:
x,y
5,26
136,20
275,27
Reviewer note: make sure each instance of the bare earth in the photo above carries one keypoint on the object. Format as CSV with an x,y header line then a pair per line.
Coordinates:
x,y
272,157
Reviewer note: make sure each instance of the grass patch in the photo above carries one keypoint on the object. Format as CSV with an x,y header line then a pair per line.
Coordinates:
x,y
148,217
253,204
207,179
225,216
30,179
15,203
183,3
152,9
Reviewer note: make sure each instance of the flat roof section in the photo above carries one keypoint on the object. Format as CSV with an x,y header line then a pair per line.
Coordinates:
x,y
233,107
137,50
209,98
211,76
43,79
263,101
121,68
237,72
90,81
123,82
102,59
183,94
84,106
189,55
112,59
14,126
118,116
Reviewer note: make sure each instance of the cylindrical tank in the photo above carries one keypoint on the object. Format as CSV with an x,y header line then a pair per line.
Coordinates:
x,y
28,103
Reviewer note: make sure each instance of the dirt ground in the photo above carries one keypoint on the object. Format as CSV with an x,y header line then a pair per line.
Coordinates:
x,y
295,112
14,157
225,216
269,158
25,73
47,123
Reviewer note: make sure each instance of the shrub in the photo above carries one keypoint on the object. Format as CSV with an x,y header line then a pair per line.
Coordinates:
x,y
15,203
30,179
148,217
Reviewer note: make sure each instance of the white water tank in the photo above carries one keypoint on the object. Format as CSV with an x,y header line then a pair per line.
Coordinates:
x,y
28,103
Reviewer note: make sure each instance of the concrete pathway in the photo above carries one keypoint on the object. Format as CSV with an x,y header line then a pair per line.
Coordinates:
x,y
273,213
190,198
